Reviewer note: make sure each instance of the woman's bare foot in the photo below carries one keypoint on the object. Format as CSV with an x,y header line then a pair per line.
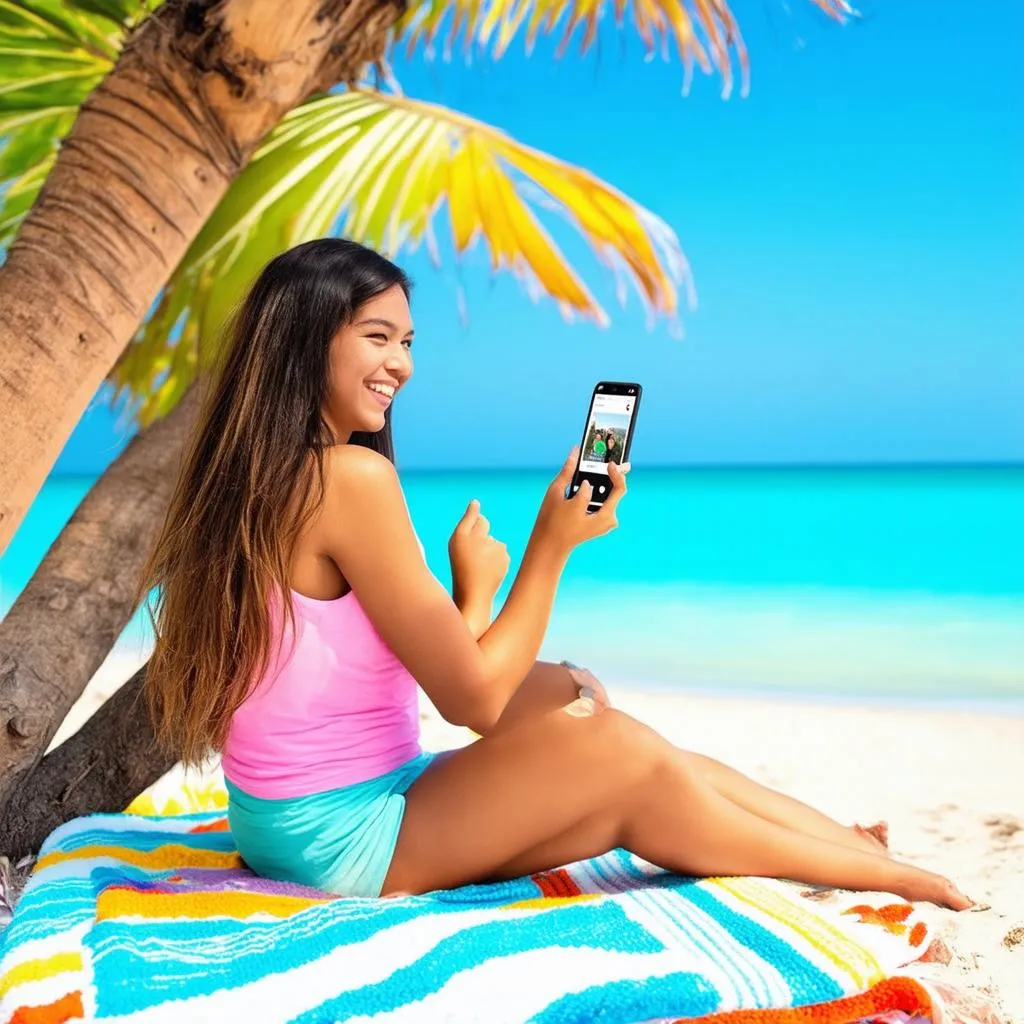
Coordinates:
x,y
926,887
877,836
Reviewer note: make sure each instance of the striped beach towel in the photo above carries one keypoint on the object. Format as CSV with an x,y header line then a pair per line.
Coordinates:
x,y
148,919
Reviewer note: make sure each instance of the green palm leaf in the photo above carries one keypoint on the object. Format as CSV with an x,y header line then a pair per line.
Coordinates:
x,y
49,35
703,32
379,168
52,55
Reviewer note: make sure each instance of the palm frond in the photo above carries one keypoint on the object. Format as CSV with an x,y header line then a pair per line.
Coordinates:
x,y
379,168
703,32
19,195
54,28
52,55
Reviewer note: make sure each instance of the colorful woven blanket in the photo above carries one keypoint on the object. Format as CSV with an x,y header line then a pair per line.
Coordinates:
x,y
147,920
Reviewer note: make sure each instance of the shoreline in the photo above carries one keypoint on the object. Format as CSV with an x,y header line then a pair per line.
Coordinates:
x,y
132,650
985,706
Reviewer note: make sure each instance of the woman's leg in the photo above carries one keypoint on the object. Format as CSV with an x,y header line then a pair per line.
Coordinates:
x,y
548,687
559,788
783,810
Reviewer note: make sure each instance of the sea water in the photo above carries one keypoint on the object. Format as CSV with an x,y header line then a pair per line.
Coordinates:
x,y
878,584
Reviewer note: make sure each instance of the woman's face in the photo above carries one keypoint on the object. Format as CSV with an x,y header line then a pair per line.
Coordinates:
x,y
369,361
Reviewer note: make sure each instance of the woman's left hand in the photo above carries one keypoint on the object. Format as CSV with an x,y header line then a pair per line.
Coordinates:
x,y
479,562
592,689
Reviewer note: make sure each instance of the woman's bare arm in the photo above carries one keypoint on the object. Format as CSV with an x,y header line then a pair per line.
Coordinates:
x,y
477,614
366,530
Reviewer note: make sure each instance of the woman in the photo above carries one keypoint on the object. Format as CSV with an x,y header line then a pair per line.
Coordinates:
x,y
296,616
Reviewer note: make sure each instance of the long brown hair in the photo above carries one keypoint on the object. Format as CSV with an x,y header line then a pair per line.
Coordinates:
x,y
251,477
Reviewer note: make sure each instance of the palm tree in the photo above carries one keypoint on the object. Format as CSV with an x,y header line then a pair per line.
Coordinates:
x,y
155,155
161,107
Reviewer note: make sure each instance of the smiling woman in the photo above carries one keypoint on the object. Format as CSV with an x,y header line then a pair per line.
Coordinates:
x,y
325,328
297,620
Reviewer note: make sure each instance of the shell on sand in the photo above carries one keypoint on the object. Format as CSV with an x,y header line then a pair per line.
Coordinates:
x,y
12,881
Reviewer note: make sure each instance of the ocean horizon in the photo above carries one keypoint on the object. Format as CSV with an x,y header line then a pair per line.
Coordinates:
x,y
876,584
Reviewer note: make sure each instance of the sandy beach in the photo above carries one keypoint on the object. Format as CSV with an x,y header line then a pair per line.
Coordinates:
x,y
950,783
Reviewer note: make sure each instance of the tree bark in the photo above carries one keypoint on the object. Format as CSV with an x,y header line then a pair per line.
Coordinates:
x,y
103,767
198,86
64,623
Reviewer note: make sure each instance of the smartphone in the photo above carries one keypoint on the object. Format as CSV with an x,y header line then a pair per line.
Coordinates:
x,y
607,436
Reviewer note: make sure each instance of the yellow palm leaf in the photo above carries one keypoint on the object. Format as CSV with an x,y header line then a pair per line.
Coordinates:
x,y
704,32
379,169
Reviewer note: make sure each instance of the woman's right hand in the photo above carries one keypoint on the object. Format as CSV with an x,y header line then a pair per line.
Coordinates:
x,y
564,522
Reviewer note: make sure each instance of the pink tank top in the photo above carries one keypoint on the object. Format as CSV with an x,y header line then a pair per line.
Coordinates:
x,y
335,708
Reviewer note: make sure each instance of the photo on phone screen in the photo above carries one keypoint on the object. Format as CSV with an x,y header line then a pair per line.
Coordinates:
x,y
607,436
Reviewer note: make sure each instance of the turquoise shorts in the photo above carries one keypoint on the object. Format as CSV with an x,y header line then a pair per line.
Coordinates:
x,y
341,841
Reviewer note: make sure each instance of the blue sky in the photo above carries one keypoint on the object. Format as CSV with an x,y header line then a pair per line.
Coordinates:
x,y
855,229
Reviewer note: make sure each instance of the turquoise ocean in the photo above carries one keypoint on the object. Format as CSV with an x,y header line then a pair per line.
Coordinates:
x,y
873,584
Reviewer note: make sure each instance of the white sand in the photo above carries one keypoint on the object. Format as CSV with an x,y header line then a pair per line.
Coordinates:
x,y
951,785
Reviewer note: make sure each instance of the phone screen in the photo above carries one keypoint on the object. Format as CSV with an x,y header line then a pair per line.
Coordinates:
x,y
606,436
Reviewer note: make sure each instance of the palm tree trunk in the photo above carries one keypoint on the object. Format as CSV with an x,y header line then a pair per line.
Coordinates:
x,y
108,762
154,148
64,623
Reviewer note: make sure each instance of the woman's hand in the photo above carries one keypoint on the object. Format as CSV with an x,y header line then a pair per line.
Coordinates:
x,y
592,697
565,522
479,562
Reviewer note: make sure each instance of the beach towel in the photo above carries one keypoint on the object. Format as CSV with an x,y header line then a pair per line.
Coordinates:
x,y
147,919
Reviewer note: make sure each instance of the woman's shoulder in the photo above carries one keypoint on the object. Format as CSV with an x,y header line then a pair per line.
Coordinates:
x,y
363,505
357,475
356,458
